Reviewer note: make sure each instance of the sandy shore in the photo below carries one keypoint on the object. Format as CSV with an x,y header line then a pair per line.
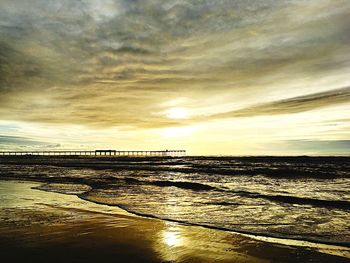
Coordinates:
x,y
38,226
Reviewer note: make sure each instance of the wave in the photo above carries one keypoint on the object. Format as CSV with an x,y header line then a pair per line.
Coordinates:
x,y
276,198
178,184
268,172
298,200
110,181
184,185
288,167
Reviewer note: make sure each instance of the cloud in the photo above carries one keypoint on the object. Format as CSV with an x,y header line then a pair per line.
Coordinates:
x,y
16,140
115,63
324,147
292,105
20,142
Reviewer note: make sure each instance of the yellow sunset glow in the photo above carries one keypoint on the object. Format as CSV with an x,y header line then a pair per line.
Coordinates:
x,y
177,113
258,79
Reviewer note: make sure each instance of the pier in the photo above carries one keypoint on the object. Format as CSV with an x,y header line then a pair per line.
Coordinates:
x,y
95,153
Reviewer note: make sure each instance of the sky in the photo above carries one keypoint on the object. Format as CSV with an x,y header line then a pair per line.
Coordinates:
x,y
224,77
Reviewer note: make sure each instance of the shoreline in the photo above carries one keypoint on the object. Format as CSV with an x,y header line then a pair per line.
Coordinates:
x,y
260,236
225,249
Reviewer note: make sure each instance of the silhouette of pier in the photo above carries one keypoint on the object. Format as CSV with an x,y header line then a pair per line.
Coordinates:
x,y
95,153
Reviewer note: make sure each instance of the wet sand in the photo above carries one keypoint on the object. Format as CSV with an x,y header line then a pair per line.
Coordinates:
x,y
39,226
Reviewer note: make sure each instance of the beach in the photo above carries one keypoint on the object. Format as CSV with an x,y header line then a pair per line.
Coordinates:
x,y
175,131
41,226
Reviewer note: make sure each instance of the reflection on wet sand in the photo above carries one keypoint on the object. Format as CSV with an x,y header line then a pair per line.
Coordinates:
x,y
40,226
180,244
170,243
172,237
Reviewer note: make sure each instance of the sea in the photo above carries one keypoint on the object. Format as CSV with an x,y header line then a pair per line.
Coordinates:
x,y
301,198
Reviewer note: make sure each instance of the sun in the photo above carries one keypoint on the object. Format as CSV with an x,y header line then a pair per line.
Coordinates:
x,y
177,113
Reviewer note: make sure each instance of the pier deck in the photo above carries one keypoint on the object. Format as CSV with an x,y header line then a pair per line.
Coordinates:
x,y
95,153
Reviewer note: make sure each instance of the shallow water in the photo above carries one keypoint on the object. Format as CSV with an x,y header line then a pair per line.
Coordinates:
x,y
300,198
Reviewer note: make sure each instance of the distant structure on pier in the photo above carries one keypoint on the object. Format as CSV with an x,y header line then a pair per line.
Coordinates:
x,y
96,153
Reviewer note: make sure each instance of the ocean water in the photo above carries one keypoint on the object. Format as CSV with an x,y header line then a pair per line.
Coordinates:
x,y
288,197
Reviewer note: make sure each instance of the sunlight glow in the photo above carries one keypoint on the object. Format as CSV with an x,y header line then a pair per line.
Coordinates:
x,y
177,131
177,113
171,239
172,236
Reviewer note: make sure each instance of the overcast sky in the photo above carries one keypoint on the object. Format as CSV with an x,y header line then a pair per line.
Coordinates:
x,y
214,77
